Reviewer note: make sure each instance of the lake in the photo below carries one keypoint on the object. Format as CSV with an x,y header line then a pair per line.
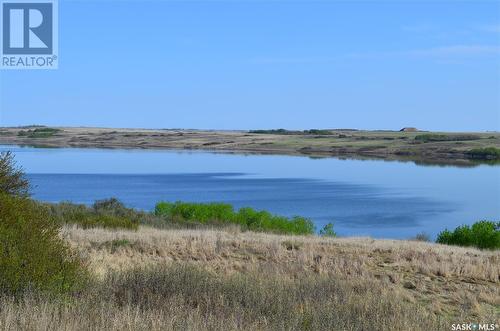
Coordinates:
x,y
362,198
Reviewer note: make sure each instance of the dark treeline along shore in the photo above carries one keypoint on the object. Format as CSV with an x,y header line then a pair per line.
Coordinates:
x,y
440,148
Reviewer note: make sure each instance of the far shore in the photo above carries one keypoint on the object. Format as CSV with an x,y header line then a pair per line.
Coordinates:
x,y
439,148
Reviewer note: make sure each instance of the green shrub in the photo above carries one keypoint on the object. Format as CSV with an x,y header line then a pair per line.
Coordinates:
x,y
482,234
111,206
247,218
327,231
488,153
12,178
32,255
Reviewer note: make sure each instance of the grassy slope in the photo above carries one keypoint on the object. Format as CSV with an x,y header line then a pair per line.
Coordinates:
x,y
427,265
372,144
250,281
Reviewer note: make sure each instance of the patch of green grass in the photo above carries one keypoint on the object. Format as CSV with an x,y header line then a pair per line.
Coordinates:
x,y
482,234
433,137
38,133
247,218
488,153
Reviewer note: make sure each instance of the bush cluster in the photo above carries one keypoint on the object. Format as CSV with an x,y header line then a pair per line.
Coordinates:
x,y
247,218
482,234
32,255
108,213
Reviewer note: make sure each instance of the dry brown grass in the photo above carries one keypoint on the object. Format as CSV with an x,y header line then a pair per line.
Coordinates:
x,y
449,278
230,280
180,298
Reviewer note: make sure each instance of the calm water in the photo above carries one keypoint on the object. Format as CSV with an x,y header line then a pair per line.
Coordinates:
x,y
375,198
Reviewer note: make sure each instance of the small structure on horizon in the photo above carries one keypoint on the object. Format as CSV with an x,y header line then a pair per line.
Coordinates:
x,y
408,129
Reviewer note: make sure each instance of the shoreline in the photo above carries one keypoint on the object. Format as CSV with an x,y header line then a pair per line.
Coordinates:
x,y
348,144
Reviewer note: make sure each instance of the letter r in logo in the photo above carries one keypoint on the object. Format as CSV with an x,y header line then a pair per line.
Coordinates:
x,y
27,28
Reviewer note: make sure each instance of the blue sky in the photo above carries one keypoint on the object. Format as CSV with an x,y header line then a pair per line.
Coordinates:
x,y
266,64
